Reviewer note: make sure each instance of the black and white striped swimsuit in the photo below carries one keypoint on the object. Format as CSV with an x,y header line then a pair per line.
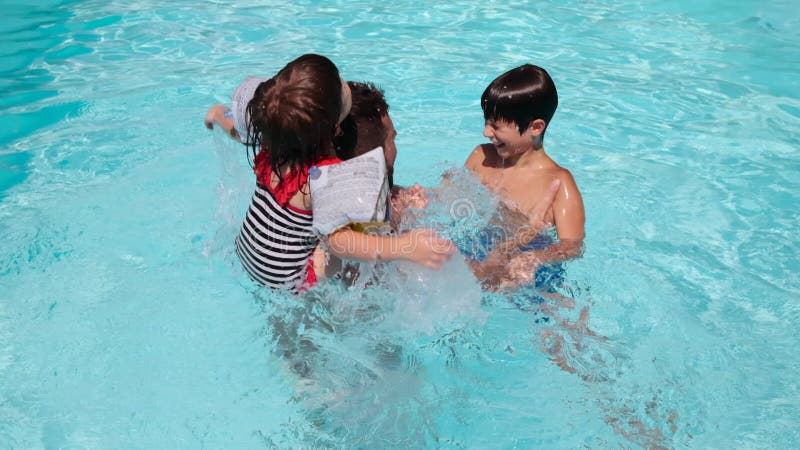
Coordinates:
x,y
276,242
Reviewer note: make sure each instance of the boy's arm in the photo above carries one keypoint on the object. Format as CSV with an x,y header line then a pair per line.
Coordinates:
x,y
521,268
422,246
222,116
493,269
570,220
568,210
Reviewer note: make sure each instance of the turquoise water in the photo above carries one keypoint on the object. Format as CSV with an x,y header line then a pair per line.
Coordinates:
x,y
125,321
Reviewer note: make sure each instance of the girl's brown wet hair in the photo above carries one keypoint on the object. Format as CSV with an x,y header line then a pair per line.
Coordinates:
x,y
293,116
521,95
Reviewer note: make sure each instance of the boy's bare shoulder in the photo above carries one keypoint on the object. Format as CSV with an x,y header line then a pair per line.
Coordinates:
x,y
556,171
565,176
482,154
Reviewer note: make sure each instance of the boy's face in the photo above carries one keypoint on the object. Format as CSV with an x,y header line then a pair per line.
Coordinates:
x,y
507,140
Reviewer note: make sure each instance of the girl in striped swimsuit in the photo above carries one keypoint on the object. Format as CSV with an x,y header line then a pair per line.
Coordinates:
x,y
291,121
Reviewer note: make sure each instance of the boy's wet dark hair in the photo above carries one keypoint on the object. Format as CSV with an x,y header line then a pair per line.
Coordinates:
x,y
521,95
295,113
362,129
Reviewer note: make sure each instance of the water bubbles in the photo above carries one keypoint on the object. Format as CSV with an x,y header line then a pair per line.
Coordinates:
x,y
462,208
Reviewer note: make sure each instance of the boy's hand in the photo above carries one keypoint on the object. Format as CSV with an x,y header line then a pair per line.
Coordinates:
x,y
498,274
490,269
427,248
520,270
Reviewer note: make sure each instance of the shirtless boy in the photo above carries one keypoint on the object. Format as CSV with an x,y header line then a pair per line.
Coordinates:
x,y
518,107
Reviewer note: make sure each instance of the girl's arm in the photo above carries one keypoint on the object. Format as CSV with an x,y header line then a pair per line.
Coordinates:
x,y
422,246
222,116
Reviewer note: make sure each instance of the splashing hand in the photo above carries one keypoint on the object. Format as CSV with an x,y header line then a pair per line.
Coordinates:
x,y
413,197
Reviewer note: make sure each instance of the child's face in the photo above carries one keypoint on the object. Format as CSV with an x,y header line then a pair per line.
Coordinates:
x,y
507,139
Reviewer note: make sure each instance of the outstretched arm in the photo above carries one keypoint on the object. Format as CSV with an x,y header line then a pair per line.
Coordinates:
x,y
223,117
422,246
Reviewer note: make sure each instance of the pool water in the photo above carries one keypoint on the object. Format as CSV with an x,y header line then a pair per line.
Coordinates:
x,y
126,322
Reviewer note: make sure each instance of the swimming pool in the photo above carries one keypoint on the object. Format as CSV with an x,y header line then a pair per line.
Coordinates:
x,y
125,323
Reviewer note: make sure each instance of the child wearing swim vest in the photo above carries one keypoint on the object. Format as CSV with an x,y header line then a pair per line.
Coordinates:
x,y
291,121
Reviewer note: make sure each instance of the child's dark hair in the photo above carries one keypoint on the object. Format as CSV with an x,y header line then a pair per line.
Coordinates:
x,y
362,129
521,95
293,115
